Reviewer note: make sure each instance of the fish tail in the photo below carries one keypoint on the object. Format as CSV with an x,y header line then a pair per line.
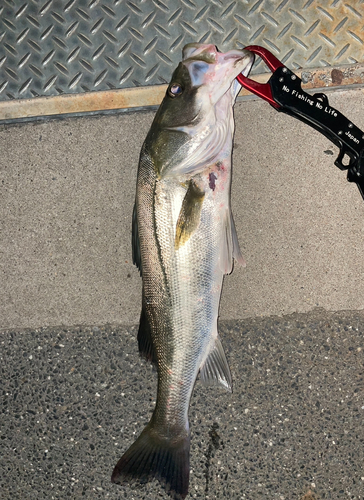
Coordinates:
x,y
153,455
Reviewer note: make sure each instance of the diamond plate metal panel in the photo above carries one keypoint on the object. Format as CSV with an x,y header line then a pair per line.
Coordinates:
x,y
51,47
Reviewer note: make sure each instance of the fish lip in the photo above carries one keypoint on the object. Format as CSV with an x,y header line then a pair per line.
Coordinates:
x,y
249,65
241,55
196,51
234,54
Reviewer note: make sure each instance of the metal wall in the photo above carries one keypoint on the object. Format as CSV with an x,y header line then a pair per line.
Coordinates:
x,y
52,47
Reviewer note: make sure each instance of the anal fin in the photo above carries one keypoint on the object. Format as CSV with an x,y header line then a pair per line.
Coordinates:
x,y
215,370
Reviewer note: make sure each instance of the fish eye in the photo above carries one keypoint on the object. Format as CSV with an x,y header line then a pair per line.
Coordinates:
x,y
174,90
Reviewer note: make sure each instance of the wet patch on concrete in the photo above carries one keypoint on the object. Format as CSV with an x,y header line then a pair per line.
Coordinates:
x,y
214,444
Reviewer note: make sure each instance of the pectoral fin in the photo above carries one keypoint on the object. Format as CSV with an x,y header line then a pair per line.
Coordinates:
x,y
190,214
215,370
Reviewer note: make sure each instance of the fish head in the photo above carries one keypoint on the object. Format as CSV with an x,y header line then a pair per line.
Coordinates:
x,y
198,103
214,73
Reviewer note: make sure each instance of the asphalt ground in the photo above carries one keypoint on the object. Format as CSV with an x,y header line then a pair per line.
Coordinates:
x,y
73,399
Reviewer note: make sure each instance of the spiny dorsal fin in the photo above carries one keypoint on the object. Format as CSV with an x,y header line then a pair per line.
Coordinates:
x,y
189,216
215,370
135,245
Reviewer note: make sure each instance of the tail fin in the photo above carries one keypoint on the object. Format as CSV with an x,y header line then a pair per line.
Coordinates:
x,y
152,455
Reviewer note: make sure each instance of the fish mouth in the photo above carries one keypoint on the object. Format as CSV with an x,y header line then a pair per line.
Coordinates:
x,y
244,61
200,51
210,54
235,62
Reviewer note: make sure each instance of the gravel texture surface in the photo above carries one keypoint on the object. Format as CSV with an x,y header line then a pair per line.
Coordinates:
x,y
73,399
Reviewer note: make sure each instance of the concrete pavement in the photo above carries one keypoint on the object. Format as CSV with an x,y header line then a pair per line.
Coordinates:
x,y
67,191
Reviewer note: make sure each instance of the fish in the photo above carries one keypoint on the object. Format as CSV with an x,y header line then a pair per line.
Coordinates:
x,y
184,241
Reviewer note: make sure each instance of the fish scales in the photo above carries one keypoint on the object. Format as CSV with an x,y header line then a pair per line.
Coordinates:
x,y
175,284
184,242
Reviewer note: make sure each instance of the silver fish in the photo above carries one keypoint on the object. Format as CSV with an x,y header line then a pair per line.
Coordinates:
x,y
184,241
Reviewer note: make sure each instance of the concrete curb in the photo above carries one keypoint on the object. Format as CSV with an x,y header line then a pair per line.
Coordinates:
x,y
144,97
